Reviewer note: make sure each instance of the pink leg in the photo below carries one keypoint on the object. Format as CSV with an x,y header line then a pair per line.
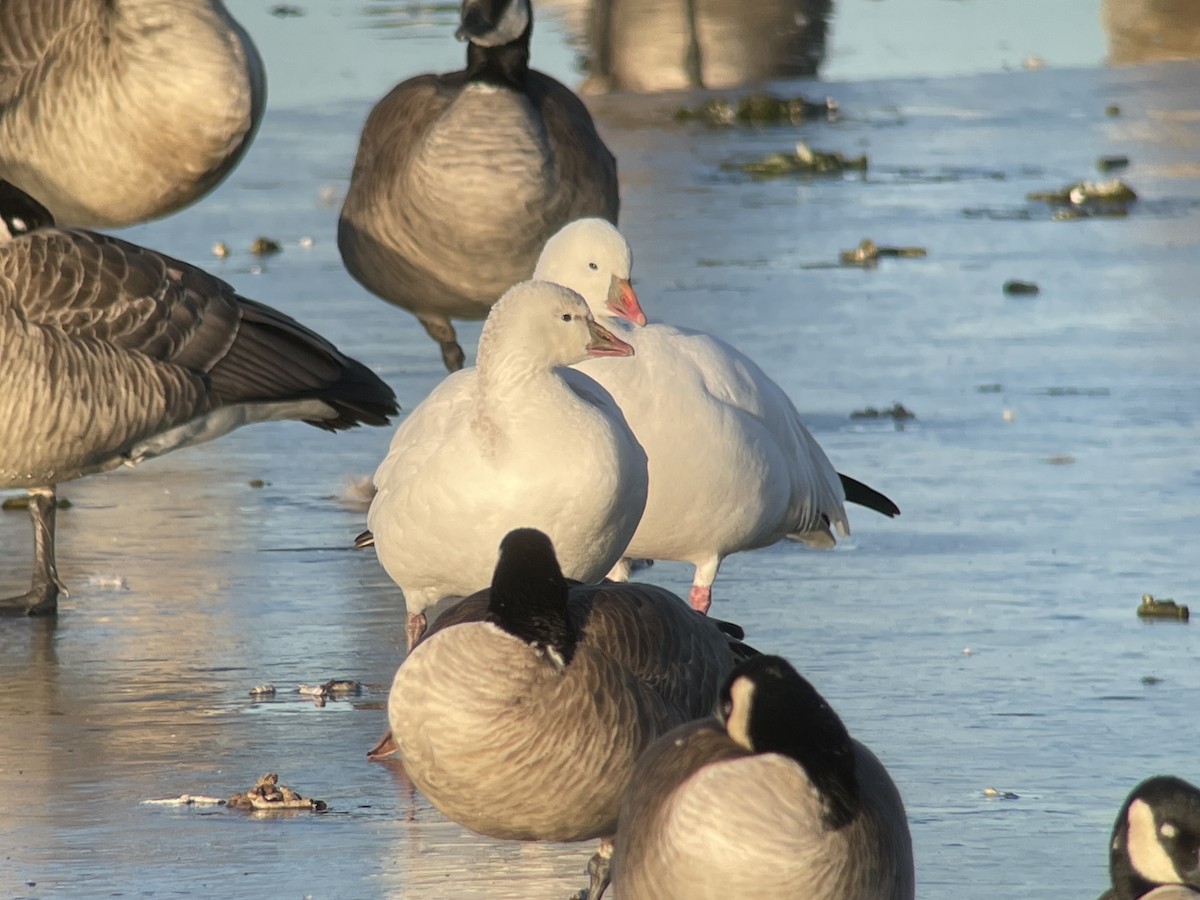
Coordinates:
x,y
384,748
701,598
416,627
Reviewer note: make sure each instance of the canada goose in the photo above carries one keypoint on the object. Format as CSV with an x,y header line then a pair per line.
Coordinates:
x,y
114,353
673,45
117,111
1155,847
460,178
732,466
773,799
509,443
521,714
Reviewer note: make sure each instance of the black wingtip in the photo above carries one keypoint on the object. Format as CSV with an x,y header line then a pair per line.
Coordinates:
x,y
360,396
364,540
864,495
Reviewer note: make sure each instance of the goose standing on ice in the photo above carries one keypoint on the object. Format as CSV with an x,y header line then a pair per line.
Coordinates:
x,y
507,444
113,112
460,178
732,466
521,713
1154,853
113,353
774,799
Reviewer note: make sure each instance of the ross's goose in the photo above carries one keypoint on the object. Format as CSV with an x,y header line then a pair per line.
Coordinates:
x,y
460,178
506,444
1155,847
773,799
113,353
112,113
522,712
732,467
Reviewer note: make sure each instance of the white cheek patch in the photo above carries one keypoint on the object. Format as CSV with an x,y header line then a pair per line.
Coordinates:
x,y
1146,852
741,695
510,27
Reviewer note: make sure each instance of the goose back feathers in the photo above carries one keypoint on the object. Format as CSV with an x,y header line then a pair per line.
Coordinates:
x,y
521,713
112,113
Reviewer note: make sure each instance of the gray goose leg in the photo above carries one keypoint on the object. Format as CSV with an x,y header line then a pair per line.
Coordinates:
x,y
42,598
599,869
440,329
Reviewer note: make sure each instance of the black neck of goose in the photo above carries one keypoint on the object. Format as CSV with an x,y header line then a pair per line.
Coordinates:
x,y
1127,883
506,65
21,213
528,598
788,716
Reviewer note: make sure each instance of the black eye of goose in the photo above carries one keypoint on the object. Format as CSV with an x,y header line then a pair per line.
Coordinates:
x,y
566,317
593,266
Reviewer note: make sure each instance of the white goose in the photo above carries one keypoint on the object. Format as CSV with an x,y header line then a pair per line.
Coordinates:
x,y
509,444
460,178
112,113
732,466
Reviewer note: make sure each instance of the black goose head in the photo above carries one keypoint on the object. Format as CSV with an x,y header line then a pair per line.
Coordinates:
x,y
20,213
767,707
498,32
528,598
1156,838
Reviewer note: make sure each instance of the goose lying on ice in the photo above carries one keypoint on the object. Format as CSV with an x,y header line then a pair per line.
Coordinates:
x,y
774,799
521,713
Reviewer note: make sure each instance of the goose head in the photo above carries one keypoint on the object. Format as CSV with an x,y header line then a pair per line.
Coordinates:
x,y
494,23
766,706
1156,838
20,213
528,598
592,258
539,325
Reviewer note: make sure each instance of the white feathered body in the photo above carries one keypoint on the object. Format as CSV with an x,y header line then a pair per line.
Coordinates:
x,y
719,436
478,459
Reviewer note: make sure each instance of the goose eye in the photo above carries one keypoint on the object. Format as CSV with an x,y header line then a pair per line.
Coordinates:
x,y
593,266
566,317
726,709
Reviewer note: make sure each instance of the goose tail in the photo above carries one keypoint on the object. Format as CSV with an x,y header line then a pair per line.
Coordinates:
x,y
275,358
865,495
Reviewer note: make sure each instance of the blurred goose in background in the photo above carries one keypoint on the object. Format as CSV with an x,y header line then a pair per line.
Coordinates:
x,y
461,178
506,444
773,799
521,713
1155,849
113,353
671,45
732,466
117,111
